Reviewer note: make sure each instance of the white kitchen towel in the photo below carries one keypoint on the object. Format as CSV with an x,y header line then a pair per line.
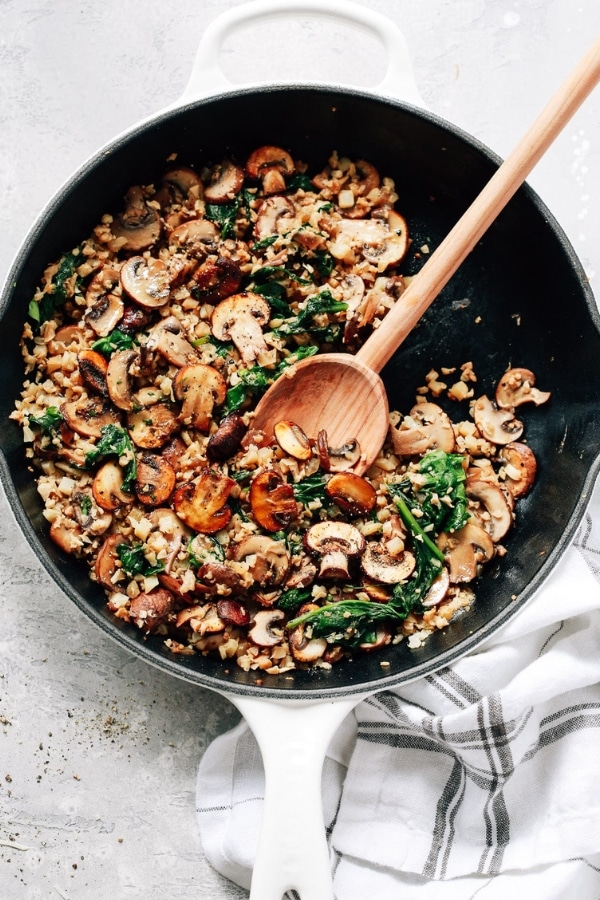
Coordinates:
x,y
480,779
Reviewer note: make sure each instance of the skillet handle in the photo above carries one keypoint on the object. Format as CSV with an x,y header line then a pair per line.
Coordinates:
x,y
208,78
292,849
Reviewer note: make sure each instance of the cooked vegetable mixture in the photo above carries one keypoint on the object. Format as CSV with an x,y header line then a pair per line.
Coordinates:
x,y
147,347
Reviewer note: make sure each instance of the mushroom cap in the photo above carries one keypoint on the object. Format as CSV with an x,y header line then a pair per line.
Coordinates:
x,y
93,369
272,500
292,440
464,550
200,387
118,379
198,237
146,281
227,439
517,387
168,339
427,427
89,416
330,535
353,494
138,225
155,480
499,426
272,558
240,318
226,180
519,468
384,567
151,427
107,487
201,504
499,516
263,624
337,459
275,215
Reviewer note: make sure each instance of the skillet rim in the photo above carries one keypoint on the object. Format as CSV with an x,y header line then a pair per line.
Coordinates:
x,y
175,665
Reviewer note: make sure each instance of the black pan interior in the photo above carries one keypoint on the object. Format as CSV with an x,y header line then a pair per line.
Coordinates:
x,y
520,299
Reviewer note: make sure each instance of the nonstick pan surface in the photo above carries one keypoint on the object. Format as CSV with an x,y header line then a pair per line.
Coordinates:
x,y
521,298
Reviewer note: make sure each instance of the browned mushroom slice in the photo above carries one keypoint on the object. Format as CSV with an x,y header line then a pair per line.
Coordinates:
x,y
222,578
149,610
438,590
517,386
227,439
88,514
304,649
427,427
270,165
381,639
155,480
168,339
93,369
107,487
105,315
465,550
180,184
226,180
240,318
498,516
201,505
302,573
151,428
102,285
387,568
267,627
275,216
66,336
67,535
198,237
107,566
146,281
272,500
200,387
134,319
139,225
499,426
336,543
215,280
233,612
337,459
88,417
268,560
120,367
353,494
383,245
519,468
292,440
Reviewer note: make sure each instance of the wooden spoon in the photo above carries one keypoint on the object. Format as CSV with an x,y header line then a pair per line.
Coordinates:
x,y
343,394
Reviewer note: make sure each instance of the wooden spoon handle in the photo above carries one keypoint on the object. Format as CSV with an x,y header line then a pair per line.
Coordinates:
x,y
443,263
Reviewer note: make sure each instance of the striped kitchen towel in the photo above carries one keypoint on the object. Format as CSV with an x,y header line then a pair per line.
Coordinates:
x,y
480,779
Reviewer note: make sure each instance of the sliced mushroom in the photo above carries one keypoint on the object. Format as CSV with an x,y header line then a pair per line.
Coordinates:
x,y
353,494
146,281
168,339
223,578
118,378
438,590
134,319
216,279
201,505
302,573
181,184
200,387
517,387
498,519
265,631
335,542
427,427
272,560
272,500
227,439
102,285
270,165
151,427
337,459
93,369
233,612
240,318
149,610
380,244
173,530
88,417
107,487
139,225
275,216
496,425
381,638
198,237
66,336
67,535
465,550
226,180
104,316
155,480
292,440
387,568
304,649
107,566
519,468
201,619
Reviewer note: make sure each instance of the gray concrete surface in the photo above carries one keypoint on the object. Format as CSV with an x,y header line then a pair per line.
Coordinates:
x,y
98,751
